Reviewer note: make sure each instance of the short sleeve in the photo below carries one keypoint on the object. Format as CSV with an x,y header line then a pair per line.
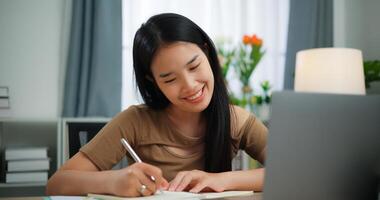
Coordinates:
x,y
105,149
254,136
250,135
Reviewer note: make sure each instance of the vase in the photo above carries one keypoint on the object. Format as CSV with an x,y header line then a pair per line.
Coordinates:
x,y
263,111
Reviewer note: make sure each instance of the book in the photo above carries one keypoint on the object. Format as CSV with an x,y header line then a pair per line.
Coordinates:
x,y
168,195
69,198
21,177
26,153
5,112
28,165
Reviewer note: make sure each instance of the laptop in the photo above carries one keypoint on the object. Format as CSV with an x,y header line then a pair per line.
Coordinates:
x,y
323,146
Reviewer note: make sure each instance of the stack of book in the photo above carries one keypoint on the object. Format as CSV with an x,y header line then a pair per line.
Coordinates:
x,y
26,165
4,102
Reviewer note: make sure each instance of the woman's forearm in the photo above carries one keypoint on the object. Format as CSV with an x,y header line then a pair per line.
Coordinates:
x,y
244,180
73,182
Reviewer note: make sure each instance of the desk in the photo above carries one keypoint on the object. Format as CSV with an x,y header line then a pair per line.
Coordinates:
x,y
255,196
21,198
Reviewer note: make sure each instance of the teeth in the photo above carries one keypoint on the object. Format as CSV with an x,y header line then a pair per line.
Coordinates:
x,y
198,94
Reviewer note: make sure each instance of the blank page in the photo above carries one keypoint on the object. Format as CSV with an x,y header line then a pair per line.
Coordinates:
x,y
168,195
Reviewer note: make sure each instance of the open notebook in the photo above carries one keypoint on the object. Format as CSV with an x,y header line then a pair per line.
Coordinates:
x,y
167,195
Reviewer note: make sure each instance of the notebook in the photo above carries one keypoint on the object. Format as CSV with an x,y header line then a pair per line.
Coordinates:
x,y
168,195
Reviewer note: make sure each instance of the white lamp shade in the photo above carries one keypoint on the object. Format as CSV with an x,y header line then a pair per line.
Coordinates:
x,y
330,70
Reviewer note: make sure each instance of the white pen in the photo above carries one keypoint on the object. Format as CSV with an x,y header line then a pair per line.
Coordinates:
x,y
133,153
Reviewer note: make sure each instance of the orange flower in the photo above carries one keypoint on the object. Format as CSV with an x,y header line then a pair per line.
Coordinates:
x,y
246,39
252,40
256,40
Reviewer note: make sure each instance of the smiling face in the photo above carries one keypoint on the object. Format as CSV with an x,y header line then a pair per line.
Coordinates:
x,y
183,73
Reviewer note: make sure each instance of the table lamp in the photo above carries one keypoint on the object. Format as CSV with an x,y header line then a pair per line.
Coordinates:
x,y
330,70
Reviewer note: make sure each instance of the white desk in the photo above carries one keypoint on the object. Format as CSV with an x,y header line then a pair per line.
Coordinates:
x,y
255,196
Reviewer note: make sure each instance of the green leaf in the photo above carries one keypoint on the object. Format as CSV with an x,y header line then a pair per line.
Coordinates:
x,y
371,72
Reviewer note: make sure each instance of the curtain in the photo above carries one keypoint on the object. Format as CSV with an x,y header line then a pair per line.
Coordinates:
x,y
310,26
223,20
93,74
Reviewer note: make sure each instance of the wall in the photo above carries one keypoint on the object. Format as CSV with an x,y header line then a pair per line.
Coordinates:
x,y
32,55
357,25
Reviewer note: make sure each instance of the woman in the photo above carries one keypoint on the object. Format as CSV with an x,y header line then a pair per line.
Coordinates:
x,y
186,133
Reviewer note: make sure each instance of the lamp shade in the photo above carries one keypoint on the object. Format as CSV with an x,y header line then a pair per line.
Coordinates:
x,y
330,70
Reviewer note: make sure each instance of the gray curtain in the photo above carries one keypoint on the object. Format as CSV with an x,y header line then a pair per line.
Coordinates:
x,y
310,26
93,74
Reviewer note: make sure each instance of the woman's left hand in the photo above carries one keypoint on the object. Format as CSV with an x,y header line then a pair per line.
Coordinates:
x,y
196,181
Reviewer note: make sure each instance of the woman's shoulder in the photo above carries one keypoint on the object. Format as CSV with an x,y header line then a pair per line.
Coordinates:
x,y
136,112
239,117
240,113
137,108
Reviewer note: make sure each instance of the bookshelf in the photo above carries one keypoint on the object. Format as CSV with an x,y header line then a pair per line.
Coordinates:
x,y
18,185
16,133
53,134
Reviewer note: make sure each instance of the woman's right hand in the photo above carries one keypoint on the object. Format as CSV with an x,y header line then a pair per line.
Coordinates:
x,y
129,181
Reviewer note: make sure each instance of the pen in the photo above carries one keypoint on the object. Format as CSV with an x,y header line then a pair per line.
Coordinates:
x,y
133,153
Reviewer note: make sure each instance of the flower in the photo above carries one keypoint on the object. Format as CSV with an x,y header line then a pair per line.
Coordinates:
x,y
256,41
265,97
246,39
225,58
248,56
252,40
244,59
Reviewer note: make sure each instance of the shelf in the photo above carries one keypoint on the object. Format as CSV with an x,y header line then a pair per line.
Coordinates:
x,y
27,133
28,120
26,184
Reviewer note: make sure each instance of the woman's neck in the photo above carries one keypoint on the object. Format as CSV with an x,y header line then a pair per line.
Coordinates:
x,y
189,123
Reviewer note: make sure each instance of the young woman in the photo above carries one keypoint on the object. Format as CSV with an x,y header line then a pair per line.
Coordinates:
x,y
186,132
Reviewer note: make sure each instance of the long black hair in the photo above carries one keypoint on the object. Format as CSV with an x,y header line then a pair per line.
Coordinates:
x,y
169,28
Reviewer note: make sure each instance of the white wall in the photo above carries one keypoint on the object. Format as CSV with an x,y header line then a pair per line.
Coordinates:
x,y
32,55
357,25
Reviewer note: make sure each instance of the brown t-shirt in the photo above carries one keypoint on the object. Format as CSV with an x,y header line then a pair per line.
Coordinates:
x,y
150,135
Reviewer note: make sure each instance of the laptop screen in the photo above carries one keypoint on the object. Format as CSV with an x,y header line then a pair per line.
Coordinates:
x,y
323,146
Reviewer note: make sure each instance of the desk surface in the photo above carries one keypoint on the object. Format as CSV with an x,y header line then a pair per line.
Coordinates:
x,y
255,196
